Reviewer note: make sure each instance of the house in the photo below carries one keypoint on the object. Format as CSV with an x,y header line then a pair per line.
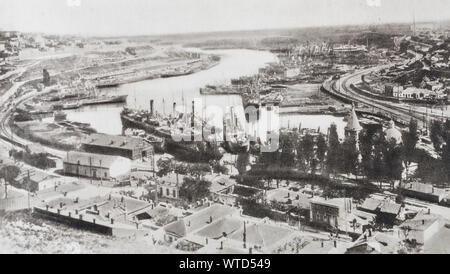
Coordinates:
x,y
385,210
422,227
294,200
421,191
95,166
330,213
376,243
124,146
35,180
261,236
169,185
221,189
197,221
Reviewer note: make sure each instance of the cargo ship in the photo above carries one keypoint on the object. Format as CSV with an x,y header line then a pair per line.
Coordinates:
x,y
105,100
179,125
236,140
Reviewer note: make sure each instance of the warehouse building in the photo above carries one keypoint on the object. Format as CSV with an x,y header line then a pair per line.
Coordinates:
x,y
128,147
95,166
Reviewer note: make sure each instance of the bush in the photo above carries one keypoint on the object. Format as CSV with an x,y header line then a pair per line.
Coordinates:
x,y
40,160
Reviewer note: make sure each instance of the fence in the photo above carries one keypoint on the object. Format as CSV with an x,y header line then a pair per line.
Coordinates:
x,y
13,204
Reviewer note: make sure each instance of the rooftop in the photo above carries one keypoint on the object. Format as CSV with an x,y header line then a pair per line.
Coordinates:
x,y
261,234
91,159
353,122
422,221
200,219
283,195
222,227
116,141
219,182
423,188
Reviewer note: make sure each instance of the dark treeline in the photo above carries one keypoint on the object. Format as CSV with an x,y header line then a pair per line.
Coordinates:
x,y
369,156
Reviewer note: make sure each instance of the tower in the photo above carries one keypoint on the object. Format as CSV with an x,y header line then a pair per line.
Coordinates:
x,y
353,127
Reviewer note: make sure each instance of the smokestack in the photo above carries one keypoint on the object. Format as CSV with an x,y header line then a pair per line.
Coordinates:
x,y
192,120
335,244
193,113
151,107
423,222
174,107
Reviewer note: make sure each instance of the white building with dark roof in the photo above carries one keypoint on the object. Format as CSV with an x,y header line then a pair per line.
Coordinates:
x,y
95,166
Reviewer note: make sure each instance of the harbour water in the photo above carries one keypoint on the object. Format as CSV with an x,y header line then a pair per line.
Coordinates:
x,y
184,89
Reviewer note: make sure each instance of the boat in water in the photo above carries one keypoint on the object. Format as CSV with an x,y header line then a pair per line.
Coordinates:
x,y
236,139
105,100
176,73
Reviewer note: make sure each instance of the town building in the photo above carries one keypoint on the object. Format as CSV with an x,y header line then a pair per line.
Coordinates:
x,y
95,166
221,189
128,147
183,227
330,213
353,126
375,243
426,192
387,211
169,185
422,227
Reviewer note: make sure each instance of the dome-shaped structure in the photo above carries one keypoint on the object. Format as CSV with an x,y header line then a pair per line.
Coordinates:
x,y
393,133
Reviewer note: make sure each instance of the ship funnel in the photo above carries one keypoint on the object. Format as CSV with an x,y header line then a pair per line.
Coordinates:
x,y
151,107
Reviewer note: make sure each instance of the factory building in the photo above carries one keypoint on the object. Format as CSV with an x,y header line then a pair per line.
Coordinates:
x,y
95,166
128,147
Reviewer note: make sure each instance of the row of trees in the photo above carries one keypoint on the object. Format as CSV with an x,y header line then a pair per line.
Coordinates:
x,y
371,155
438,169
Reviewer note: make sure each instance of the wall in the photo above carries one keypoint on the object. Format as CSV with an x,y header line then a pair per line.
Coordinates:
x,y
86,171
74,222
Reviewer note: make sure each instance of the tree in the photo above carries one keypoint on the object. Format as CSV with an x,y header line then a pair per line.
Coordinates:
x,y
287,149
333,150
242,162
350,155
410,140
366,150
321,149
445,155
165,166
436,134
9,174
393,159
379,151
194,189
305,152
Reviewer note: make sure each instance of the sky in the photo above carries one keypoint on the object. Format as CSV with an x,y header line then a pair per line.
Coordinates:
x,y
146,17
